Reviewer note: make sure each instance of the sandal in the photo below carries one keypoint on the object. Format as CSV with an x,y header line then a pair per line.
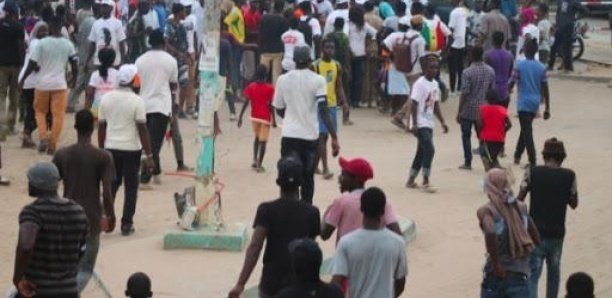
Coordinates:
x,y
4,181
426,188
327,175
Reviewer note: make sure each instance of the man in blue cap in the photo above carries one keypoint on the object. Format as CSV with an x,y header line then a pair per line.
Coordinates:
x,y
52,235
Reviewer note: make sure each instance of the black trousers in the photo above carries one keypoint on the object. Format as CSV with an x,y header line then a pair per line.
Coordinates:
x,y
308,152
563,47
455,67
127,164
489,151
29,121
157,124
525,140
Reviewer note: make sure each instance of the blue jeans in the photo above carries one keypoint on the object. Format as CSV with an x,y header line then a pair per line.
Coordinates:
x,y
514,285
466,139
88,261
425,153
550,250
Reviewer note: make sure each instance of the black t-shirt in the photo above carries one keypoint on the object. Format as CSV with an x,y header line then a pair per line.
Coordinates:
x,y
225,52
551,190
285,220
271,28
318,290
11,34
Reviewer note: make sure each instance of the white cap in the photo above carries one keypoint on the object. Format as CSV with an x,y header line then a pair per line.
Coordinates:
x,y
341,2
186,2
126,74
106,2
360,2
405,20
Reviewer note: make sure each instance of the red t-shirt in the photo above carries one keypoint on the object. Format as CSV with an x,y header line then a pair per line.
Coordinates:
x,y
493,123
251,19
260,95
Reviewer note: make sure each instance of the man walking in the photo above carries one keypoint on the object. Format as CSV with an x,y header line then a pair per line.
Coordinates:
x,y
52,236
12,53
123,132
82,41
530,75
277,223
300,98
425,104
491,22
371,259
83,168
271,46
510,235
456,54
477,80
49,58
500,60
345,211
158,72
552,189
566,18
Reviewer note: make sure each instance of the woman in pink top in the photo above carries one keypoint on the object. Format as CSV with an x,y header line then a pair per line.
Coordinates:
x,y
345,213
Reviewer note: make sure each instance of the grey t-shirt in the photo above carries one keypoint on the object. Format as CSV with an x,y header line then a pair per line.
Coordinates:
x,y
371,260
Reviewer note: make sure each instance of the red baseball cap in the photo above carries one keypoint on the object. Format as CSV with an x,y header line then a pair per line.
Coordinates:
x,y
358,167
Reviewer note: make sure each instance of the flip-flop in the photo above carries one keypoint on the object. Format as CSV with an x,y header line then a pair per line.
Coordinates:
x,y
428,189
327,175
260,169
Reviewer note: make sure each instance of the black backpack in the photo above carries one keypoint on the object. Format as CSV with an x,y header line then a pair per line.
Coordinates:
x,y
304,27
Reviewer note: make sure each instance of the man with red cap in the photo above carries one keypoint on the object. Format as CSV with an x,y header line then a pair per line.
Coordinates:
x,y
345,213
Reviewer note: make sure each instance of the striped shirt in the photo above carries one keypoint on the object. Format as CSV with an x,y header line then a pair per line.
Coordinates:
x,y
59,244
475,82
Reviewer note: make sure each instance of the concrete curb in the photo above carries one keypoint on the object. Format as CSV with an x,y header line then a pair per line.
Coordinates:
x,y
232,238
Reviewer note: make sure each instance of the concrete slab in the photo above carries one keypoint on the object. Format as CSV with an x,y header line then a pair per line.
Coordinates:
x,y
233,238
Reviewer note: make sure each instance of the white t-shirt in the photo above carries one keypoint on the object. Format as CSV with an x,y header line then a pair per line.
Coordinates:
x,y
157,69
102,86
122,110
531,30
31,81
357,38
113,27
371,260
331,18
425,93
151,20
299,93
198,11
324,8
544,27
191,24
458,23
51,54
417,48
291,39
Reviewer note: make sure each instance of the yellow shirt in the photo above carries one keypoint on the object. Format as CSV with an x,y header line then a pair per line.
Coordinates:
x,y
235,23
329,70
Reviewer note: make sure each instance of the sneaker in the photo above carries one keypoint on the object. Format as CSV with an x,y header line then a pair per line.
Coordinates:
x,y
157,179
27,143
398,123
328,175
260,169
43,146
465,167
184,168
4,181
127,230
232,117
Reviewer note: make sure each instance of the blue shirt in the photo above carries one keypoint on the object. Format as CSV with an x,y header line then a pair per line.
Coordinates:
x,y
508,8
385,10
162,15
529,75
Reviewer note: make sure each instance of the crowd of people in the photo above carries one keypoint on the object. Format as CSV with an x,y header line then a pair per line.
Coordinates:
x,y
304,62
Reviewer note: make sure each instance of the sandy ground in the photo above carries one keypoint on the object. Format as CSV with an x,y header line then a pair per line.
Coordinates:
x,y
448,253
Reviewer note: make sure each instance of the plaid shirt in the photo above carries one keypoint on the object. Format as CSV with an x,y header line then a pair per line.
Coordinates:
x,y
475,82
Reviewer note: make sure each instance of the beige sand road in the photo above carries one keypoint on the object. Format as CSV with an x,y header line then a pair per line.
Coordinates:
x,y
445,259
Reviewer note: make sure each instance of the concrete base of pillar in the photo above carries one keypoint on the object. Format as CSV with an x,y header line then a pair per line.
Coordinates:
x,y
233,238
